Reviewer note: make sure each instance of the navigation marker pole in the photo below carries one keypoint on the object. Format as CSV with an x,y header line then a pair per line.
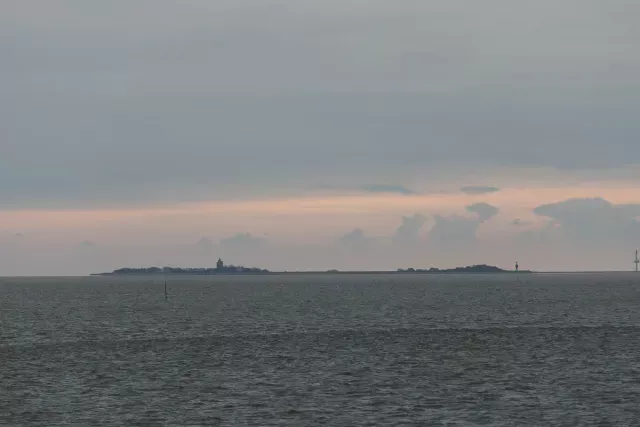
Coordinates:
x,y
166,296
636,261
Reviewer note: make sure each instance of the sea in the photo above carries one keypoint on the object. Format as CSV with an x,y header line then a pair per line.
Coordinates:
x,y
327,349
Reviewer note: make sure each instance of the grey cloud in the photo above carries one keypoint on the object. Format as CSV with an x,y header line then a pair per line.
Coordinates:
x,y
549,233
356,247
484,211
628,210
356,237
136,162
205,245
457,232
87,244
216,99
244,249
453,232
568,209
594,221
479,189
520,223
385,188
410,228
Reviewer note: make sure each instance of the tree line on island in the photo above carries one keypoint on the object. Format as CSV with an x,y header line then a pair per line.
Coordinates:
x,y
219,269
480,268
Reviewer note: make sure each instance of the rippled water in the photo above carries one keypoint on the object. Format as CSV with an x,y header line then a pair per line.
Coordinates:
x,y
322,350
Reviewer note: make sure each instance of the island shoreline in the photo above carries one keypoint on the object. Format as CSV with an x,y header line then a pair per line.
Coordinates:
x,y
156,271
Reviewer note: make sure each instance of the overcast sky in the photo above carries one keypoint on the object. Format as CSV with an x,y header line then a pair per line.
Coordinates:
x,y
301,135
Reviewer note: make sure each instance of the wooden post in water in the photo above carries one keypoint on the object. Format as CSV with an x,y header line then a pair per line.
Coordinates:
x,y
166,296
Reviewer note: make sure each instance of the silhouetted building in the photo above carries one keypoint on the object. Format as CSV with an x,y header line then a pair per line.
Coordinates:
x,y
219,264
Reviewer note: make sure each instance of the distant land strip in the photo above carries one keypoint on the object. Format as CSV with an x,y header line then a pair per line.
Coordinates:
x,y
239,270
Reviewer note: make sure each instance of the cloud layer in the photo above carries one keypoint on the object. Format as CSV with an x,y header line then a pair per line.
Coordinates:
x,y
479,189
386,188
220,100
484,211
595,222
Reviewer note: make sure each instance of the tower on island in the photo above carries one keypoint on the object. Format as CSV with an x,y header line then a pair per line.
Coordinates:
x,y
636,261
219,264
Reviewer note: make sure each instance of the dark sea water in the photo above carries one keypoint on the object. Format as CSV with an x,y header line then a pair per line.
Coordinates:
x,y
336,350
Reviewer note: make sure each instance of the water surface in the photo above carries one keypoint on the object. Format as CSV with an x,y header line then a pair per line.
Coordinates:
x,y
351,350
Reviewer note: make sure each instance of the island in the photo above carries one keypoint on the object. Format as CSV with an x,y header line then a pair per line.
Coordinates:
x,y
219,269
232,269
480,268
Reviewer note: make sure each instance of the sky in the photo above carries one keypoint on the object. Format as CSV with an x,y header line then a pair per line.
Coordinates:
x,y
304,135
